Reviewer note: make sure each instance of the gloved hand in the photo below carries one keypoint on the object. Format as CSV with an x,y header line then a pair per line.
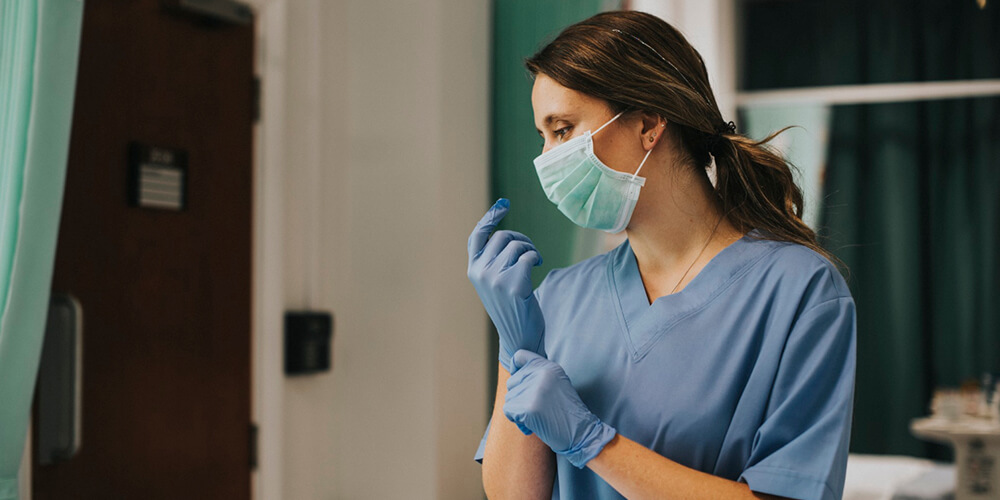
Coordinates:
x,y
500,270
541,399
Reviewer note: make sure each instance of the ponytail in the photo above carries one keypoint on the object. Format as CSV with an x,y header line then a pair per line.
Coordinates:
x,y
756,187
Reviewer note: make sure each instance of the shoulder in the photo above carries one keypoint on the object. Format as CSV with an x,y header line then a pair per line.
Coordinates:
x,y
794,268
592,271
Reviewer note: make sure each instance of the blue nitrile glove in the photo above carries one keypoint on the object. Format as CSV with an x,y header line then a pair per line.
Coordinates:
x,y
500,270
541,399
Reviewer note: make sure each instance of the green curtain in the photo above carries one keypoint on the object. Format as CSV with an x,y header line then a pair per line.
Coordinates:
x,y
910,198
39,45
521,28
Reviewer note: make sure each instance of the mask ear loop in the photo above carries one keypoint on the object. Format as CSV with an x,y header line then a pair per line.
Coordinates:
x,y
606,124
643,162
643,158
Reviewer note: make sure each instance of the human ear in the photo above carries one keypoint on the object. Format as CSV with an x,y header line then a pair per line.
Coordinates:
x,y
653,128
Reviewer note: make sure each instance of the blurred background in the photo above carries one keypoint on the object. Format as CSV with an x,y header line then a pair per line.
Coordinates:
x,y
256,221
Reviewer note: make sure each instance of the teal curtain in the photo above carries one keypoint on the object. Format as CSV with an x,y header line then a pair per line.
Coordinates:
x,y
39,44
910,197
521,28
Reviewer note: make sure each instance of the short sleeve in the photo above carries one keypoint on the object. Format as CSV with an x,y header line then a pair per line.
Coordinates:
x,y
800,449
482,444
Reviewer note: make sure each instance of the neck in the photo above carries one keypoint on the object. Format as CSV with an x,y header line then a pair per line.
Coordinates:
x,y
677,230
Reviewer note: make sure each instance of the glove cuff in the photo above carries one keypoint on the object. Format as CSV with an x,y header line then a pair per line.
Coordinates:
x,y
591,445
507,359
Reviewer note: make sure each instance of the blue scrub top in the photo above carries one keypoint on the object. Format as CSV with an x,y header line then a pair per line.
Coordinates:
x,y
747,373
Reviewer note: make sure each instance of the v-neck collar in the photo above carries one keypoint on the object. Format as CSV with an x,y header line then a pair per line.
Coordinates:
x,y
644,323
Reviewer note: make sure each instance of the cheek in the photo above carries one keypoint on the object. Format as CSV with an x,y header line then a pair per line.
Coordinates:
x,y
615,153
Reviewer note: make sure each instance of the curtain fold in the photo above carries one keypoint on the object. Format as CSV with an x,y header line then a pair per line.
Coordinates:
x,y
39,45
873,223
964,234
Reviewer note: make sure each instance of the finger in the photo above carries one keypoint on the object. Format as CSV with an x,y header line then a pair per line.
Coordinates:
x,y
526,261
513,251
515,379
518,381
523,357
499,241
486,225
513,407
513,413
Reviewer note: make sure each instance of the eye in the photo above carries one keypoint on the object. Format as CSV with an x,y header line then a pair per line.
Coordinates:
x,y
561,133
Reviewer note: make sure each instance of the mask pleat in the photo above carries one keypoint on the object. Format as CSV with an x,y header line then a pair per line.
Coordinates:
x,y
580,199
578,178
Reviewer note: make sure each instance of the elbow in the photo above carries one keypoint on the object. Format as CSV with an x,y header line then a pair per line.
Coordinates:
x,y
500,486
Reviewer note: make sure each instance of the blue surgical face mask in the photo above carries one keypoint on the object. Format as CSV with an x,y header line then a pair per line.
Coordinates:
x,y
585,190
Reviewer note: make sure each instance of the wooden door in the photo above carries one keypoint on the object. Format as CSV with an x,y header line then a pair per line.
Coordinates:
x,y
165,294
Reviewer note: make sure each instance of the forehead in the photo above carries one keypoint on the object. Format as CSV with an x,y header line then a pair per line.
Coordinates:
x,y
550,100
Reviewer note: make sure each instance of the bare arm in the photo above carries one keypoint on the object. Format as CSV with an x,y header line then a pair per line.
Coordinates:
x,y
515,465
638,473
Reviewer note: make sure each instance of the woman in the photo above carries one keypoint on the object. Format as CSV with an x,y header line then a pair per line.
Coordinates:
x,y
712,354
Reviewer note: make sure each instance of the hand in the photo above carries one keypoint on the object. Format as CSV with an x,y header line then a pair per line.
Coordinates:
x,y
500,270
541,399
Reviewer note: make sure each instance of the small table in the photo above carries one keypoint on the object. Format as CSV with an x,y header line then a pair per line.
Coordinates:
x,y
977,453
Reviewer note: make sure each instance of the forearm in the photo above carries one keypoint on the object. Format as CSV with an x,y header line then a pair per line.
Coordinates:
x,y
639,473
515,465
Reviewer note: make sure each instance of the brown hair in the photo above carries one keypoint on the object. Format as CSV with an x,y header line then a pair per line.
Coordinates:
x,y
637,62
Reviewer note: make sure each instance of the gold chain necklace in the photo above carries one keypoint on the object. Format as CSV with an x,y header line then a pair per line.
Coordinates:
x,y
697,256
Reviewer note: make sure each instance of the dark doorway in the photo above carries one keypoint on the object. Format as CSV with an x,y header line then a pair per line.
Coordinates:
x,y
165,293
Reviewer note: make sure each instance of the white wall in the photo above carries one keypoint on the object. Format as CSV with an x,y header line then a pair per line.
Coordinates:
x,y
385,172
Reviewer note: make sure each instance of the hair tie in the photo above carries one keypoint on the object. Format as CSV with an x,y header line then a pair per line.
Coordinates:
x,y
713,141
728,127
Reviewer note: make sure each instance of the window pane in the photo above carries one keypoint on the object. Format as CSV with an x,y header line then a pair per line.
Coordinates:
x,y
811,42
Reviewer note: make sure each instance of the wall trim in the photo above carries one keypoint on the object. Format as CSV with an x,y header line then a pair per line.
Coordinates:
x,y
267,377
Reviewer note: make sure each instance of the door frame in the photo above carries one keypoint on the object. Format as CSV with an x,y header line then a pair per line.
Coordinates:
x,y
267,380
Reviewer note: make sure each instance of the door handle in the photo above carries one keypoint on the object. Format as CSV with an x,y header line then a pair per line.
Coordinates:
x,y
60,381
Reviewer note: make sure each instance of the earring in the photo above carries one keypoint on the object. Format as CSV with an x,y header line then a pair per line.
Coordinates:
x,y
652,137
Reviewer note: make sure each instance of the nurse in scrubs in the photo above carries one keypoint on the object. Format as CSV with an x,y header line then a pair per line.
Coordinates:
x,y
710,355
